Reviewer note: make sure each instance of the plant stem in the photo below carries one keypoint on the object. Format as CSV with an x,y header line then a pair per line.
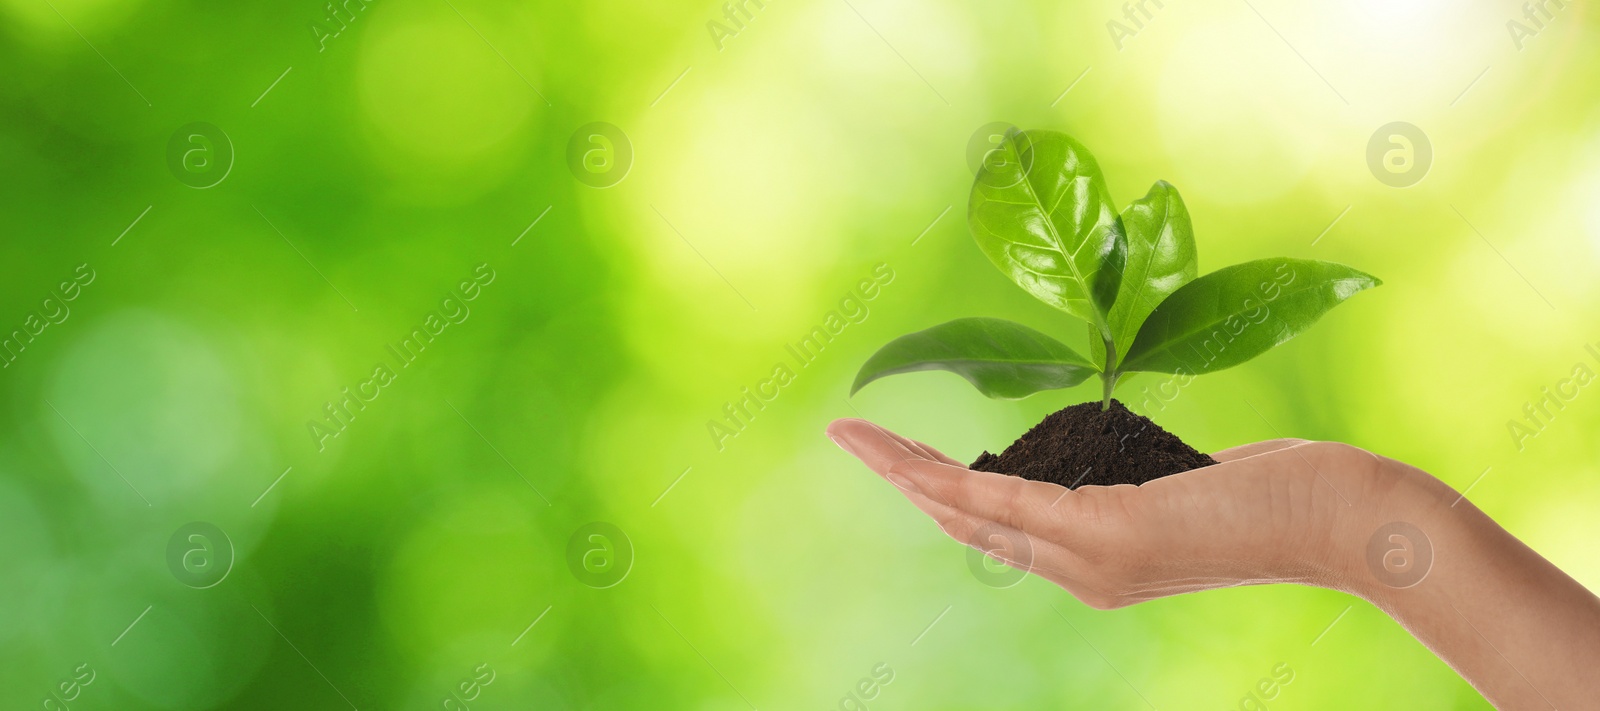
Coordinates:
x,y
1109,375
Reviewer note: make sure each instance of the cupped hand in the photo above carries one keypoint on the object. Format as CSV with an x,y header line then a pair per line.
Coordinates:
x,y
1282,510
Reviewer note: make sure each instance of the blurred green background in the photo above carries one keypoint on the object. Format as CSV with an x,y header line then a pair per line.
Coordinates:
x,y
759,167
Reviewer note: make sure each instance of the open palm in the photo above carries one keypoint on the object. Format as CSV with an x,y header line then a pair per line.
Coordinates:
x,y
1269,512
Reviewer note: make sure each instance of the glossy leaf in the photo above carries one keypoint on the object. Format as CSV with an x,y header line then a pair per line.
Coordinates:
x,y
1237,313
1001,358
1161,258
1041,212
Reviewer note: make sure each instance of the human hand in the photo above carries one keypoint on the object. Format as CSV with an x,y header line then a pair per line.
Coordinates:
x,y
1280,511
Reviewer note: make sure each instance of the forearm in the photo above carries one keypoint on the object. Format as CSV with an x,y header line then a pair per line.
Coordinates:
x,y
1518,629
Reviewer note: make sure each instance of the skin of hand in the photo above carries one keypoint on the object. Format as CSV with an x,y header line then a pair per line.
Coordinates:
x,y
1281,511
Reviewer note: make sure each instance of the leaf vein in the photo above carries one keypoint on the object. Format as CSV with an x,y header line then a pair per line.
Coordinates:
x,y
1168,344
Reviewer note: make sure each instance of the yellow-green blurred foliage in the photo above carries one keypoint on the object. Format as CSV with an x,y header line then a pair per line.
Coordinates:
x,y
381,155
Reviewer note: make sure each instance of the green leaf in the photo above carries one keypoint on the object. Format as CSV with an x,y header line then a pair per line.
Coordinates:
x,y
1041,212
1001,358
1237,313
1161,258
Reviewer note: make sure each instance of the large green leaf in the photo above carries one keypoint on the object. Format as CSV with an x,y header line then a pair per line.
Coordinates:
x,y
1161,258
1237,313
1001,358
1041,212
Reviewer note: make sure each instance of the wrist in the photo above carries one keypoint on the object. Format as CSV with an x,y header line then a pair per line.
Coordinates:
x,y
1389,536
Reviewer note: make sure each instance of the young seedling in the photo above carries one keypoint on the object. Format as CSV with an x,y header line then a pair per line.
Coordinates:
x,y
1041,212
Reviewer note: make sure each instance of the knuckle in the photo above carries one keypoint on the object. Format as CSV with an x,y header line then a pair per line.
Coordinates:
x,y
966,490
957,528
1003,500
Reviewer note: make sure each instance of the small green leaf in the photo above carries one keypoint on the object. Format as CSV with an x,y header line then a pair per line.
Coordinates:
x,y
1001,358
1161,258
1041,212
1237,313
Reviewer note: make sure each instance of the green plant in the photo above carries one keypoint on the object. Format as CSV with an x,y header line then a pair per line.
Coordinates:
x,y
1041,212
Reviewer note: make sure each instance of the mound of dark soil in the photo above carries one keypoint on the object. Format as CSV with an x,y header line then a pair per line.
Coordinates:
x,y
1084,446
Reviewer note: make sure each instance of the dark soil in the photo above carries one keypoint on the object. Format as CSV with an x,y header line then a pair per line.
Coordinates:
x,y
1083,446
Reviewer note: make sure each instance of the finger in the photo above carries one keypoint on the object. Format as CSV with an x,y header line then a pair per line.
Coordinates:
x,y
871,444
1045,554
911,445
1009,500
952,522
1018,549
1257,448
915,446
887,454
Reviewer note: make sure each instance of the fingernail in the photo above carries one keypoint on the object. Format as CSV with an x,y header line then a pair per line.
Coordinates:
x,y
901,480
844,446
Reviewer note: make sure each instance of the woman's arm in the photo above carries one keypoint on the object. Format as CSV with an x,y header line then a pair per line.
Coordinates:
x,y
1523,633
